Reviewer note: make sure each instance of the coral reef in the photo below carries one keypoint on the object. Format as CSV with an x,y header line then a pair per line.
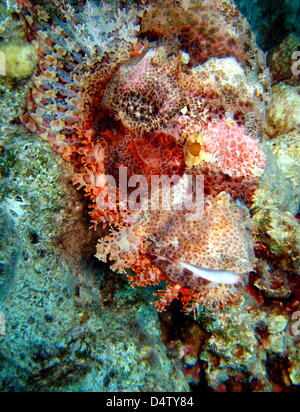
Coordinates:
x,y
283,61
283,128
277,236
18,58
250,342
137,97
249,348
283,110
276,206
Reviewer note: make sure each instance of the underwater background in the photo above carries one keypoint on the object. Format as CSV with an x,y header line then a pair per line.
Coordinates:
x,y
88,86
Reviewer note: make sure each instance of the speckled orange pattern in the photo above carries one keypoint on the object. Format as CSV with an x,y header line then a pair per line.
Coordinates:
x,y
151,113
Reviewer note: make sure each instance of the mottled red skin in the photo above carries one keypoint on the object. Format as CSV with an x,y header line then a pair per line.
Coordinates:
x,y
146,153
158,154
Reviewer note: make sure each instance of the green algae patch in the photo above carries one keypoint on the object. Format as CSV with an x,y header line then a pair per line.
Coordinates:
x,y
7,161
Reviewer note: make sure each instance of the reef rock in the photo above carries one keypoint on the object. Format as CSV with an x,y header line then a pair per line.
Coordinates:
x,y
284,61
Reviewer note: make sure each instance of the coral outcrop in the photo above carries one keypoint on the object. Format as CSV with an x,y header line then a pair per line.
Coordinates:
x,y
67,322
276,205
284,61
283,110
250,342
249,348
275,215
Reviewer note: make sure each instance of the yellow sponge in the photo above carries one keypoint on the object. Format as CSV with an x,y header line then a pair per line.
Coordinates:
x,y
18,61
